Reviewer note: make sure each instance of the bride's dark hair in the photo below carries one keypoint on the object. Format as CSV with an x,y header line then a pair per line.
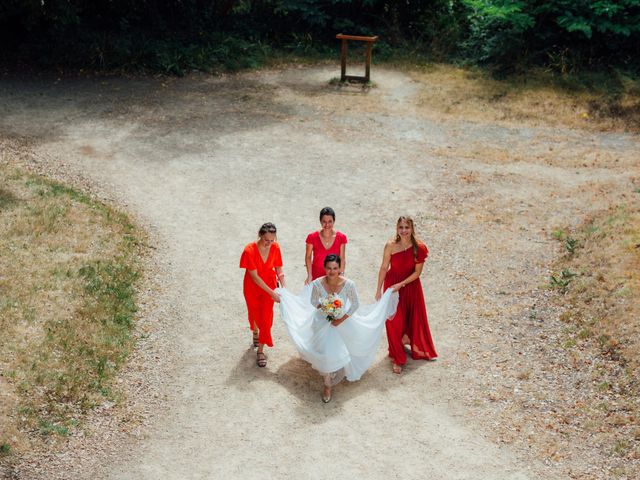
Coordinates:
x,y
332,258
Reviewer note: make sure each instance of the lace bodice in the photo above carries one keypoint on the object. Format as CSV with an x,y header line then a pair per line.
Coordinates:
x,y
348,293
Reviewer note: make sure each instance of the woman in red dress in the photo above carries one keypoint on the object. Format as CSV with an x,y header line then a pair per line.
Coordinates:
x,y
324,242
401,267
262,262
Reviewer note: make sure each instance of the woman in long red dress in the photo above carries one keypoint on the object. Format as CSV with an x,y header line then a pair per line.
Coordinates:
x,y
401,267
262,262
326,241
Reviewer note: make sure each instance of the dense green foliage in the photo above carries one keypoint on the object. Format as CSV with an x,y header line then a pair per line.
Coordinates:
x,y
176,35
565,34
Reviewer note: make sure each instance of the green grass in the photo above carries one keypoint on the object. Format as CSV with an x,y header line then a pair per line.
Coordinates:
x,y
67,303
570,244
562,281
47,428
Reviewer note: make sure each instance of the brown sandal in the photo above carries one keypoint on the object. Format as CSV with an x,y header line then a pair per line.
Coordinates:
x,y
261,359
256,341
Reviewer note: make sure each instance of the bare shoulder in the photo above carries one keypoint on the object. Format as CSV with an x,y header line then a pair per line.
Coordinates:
x,y
390,245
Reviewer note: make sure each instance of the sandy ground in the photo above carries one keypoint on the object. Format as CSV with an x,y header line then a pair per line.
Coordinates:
x,y
201,162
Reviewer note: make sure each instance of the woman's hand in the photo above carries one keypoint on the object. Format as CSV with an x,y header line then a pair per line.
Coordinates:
x,y
337,322
307,281
396,287
378,295
275,296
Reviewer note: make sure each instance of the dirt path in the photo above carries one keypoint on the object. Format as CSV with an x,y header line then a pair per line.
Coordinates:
x,y
202,162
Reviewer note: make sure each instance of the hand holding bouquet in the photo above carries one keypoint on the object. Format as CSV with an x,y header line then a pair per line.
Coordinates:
x,y
331,306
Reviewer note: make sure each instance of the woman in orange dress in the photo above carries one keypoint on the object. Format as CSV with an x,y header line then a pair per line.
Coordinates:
x,y
262,262
401,267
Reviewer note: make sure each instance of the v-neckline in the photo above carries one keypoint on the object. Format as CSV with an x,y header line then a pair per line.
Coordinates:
x,y
264,260
334,293
322,243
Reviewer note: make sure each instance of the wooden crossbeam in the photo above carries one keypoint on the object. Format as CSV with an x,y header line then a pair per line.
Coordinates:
x,y
342,36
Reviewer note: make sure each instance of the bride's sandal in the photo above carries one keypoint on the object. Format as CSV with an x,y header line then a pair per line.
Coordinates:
x,y
326,398
261,359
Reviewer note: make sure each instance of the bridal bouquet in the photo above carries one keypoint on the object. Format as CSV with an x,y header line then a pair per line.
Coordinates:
x,y
331,306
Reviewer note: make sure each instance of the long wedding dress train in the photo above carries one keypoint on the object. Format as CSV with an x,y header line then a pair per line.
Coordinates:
x,y
347,350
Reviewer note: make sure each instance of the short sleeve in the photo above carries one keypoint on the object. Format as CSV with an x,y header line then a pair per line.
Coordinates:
x,y
247,260
277,255
310,238
423,252
342,238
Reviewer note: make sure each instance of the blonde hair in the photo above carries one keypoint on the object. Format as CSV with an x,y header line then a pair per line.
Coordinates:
x,y
414,240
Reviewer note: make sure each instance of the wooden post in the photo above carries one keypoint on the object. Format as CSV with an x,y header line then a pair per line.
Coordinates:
x,y
343,57
367,63
343,60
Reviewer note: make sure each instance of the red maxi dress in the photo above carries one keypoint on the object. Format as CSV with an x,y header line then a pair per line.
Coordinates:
x,y
320,253
411,315
259,302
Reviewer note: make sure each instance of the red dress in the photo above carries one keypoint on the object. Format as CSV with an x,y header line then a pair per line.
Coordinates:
x,y
320,253
411,316
259,302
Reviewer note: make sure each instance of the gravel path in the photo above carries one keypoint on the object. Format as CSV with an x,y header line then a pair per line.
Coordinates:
x,y
202,162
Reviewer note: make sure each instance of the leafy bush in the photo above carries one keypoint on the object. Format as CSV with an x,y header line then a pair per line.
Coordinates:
x,y
174,36
565,34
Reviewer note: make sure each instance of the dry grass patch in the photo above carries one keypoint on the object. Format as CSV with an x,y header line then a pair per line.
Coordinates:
x,y
600,277
602,102
67,305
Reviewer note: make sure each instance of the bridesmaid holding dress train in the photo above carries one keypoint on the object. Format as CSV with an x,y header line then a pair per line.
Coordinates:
x,y
402,262
262,262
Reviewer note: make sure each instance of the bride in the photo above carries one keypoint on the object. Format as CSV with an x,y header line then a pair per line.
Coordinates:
x,y
331,330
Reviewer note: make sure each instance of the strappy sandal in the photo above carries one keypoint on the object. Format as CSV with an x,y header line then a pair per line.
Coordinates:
x,y
261,359
397,369
256,340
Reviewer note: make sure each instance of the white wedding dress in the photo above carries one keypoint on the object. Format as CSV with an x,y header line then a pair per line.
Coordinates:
x,y
347,350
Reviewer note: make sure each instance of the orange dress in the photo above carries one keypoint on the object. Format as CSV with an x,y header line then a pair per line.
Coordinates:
x,y
259,302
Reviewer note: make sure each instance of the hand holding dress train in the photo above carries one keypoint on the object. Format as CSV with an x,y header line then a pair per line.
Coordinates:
x,y
344,350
